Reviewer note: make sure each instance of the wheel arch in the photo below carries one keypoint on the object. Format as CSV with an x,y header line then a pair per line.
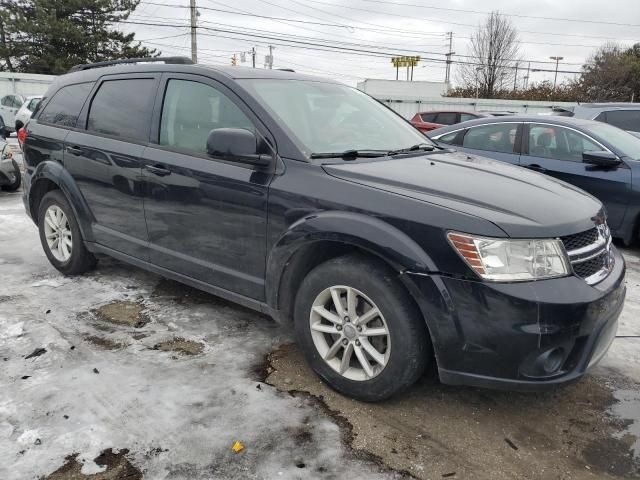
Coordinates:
x,y
52,176
318,238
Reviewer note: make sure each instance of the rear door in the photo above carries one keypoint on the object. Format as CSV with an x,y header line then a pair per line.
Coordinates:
x,y
557,151
104,159
500,141
207,217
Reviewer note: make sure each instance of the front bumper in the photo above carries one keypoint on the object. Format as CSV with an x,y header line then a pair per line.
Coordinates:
x,y
519,336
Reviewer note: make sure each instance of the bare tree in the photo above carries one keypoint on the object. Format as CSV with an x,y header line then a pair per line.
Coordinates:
x,y
492,58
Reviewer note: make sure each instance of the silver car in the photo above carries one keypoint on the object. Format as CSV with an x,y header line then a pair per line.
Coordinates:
x,y
622,115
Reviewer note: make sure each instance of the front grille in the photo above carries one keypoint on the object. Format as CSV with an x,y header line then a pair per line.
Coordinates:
x,y
591,267
580,240
590,253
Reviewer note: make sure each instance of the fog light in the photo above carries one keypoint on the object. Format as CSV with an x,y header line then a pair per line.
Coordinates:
x,y
554,360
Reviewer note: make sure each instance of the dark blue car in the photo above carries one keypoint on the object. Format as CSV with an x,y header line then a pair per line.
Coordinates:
x,y
598,158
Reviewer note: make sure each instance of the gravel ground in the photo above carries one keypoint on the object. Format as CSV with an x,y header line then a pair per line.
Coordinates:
x,y
122,374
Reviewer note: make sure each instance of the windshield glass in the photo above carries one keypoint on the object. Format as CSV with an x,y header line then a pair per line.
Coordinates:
x,y
325,117
628,144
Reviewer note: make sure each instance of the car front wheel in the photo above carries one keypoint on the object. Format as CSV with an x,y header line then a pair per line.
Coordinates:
x,y
359,329
60,236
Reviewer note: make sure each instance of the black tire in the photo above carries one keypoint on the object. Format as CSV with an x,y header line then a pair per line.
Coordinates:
x,y
12,187
81,259
410,346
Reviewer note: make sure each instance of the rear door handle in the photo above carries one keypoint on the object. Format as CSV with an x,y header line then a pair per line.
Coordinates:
x,y
536,167
74,150
160,171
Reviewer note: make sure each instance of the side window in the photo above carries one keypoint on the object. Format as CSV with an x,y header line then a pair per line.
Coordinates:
x,y
499,137
122,108
625,119
467,116
17,101
446,118
559,143
449,137
6,101
191,110
64,107
33,104
428,117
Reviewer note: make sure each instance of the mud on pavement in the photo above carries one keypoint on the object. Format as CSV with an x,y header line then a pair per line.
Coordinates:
x,y
435,431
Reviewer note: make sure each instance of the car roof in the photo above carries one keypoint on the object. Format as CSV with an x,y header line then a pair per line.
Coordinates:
x,y
481,114
236,73
552,119
634,106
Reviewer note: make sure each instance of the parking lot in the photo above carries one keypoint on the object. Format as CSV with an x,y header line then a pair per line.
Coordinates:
x,y
124,374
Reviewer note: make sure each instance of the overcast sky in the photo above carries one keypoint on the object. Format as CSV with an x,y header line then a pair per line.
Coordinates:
x,y
403,27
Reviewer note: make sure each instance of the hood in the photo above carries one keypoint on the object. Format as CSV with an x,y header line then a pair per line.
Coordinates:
x,y
521,202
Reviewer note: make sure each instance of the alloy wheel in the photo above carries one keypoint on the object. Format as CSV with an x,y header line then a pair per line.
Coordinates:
x,y
58,233
350,333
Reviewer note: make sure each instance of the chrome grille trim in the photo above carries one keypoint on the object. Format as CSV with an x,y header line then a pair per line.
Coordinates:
x,y
600,248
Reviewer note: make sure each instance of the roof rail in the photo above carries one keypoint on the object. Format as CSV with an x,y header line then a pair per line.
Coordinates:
x,y
166,60
286,70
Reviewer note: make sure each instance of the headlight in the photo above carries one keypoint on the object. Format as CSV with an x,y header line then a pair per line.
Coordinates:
x,y
507,260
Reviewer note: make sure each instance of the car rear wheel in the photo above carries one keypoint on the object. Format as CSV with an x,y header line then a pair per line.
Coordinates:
x,y
60,236
14,178
359,329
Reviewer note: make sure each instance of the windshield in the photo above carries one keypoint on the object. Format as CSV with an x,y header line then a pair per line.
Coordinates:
x,y
628,144
325,117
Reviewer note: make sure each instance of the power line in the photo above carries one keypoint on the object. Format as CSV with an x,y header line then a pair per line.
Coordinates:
x,y
516,15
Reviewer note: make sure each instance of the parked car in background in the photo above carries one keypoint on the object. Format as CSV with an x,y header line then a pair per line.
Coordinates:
x,y
427,121
382,251
9,106
24,113
599,158
10,177
622,115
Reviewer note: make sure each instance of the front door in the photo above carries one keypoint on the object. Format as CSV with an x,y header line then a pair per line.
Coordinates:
x,y
104,160
557,151
206,217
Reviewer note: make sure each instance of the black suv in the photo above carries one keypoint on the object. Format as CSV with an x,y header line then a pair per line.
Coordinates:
x,y
310,201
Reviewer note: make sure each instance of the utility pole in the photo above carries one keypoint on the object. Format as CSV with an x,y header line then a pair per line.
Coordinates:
x,y
194,40
253,56
271,47
526,77
555,78
515,79
449,54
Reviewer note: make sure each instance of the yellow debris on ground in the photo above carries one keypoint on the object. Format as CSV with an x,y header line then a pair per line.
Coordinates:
x,y
237,447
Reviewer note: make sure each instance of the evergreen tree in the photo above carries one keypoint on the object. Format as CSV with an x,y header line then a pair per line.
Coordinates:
x,y
51,36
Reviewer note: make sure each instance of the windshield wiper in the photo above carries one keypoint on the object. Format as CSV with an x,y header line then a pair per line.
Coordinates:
x,y
424,147
351,154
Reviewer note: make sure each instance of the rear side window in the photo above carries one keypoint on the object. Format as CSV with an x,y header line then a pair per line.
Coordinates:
x,y
33,104
449,137
624,119
467,116
11,101
428,117
499,137
122,108
64,107
446,118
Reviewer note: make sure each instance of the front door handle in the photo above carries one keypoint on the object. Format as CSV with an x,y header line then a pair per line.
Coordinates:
x,y
156,170
74,150
535,167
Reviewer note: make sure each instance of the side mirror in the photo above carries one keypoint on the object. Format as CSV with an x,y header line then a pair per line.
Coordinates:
x,y
601,159
236,144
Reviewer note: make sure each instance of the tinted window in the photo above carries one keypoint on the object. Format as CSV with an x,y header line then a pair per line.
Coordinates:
x,y
33,104
11,101
428,117
191,110
467,116
63,109
446,118
624,119
123,108
559,143
499,137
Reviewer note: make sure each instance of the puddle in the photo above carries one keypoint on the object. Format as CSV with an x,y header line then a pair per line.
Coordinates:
x,y
116,467
180,345
628,408
123,313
